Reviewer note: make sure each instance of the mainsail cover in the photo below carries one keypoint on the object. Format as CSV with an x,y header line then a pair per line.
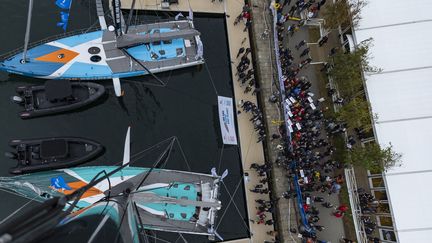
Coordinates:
x,y
129,40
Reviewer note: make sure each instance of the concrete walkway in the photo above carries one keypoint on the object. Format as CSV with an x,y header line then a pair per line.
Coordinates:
x,y
251,151
267,78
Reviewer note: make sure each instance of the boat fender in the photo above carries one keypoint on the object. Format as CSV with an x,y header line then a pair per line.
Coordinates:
x,y
17,99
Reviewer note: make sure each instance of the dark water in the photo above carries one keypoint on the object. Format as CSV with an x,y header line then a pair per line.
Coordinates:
x,y
186,109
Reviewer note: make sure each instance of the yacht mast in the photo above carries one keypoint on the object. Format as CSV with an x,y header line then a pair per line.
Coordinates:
x,y
27,34
130,16
117,16
101,14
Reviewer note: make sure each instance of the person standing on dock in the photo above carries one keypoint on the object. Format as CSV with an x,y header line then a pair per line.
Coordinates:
x,y
292,10
300,44
285,3
240,51
323,41
248,50
305,52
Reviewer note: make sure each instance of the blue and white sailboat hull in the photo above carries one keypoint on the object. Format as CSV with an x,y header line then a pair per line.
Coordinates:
x,y
101,54
167,200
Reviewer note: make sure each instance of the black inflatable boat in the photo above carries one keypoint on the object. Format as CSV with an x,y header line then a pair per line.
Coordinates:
x,y
51,153
56,96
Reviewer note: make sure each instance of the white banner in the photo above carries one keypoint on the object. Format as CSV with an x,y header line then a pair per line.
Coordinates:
x,y
279,66
226,120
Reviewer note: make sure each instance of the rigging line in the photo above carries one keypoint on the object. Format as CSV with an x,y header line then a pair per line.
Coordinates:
x,y
183,238
19,209
235,205
149,83
131,13
210,76
136,13
231,200
146,239
116,239
97,21
177,239
124,51
155,234
182,152
89,3
135,156
109,192
156,238
14,193
140,224
99,227
142,82
220,156
161,157
169,153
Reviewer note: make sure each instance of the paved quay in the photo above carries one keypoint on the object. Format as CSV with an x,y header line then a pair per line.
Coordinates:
x,y
268,80
251,151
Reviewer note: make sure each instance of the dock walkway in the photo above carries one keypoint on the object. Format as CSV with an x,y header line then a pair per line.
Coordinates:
x,y
262,26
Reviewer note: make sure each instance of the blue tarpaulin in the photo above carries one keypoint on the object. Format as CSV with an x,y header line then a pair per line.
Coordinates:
x,y
64,20
300,204
64,4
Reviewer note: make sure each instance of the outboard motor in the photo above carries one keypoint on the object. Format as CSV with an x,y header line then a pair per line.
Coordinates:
x,y
11,155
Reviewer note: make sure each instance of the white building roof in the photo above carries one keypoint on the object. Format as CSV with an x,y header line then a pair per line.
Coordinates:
x,y
401,96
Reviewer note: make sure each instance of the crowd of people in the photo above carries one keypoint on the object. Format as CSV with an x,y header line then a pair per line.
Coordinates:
x,y
307,154
369,206
304,147
257,118
245,74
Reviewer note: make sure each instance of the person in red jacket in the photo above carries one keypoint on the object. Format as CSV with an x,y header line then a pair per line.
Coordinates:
x,y
342,208
338,214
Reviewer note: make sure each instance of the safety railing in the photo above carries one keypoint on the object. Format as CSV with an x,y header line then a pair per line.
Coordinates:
x,y
355,205
46,40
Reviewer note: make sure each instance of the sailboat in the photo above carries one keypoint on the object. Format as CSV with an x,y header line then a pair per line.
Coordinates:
x,y
133,198
113,52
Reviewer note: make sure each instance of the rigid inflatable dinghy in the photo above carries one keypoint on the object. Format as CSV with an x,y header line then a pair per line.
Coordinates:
x,y
51,153
56,96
